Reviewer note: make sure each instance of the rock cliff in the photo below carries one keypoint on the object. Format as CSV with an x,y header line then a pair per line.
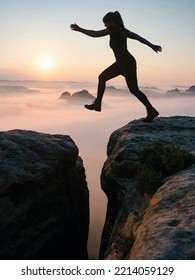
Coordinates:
x,y
149,226
44,201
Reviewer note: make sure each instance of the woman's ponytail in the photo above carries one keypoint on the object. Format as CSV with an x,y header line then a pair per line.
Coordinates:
x,y
119,20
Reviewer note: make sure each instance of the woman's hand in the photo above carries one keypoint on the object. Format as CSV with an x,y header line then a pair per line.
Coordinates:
x,y
75,27
156,48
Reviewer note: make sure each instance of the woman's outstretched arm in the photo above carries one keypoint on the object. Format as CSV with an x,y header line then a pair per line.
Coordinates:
x,y
135,36
91,33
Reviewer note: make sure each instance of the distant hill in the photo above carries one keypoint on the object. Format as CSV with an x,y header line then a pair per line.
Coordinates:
x,y
65,95
174,91
189,91
16,89
114,91
82,95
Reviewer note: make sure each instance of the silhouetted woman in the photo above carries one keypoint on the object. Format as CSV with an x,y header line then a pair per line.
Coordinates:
x,y
125,63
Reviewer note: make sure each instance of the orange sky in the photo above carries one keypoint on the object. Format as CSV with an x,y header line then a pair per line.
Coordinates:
x,y
33,31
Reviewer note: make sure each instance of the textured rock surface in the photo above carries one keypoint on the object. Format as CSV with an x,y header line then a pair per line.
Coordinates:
x,y
158,227
44,207
167,230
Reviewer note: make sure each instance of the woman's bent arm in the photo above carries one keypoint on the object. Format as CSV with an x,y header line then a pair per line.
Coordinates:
x,y
91,33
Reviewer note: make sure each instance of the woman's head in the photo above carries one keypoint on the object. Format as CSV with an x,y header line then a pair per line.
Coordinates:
x,y
115,18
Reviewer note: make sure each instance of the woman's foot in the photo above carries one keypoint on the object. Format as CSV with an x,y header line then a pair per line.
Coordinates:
x,y
96,106
151,114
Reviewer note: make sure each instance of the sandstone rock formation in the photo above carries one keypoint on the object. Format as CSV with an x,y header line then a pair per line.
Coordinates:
x,y
82,95
189,92
65,95
174,91
161,226
44,206
191,89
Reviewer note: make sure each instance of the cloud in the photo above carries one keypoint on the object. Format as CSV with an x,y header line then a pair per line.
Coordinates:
x,y
16,89
44,112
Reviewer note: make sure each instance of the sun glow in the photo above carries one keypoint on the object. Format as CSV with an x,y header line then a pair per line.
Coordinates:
x,y
45,63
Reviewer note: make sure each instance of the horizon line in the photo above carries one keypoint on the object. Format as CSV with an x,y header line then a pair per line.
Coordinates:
x,y
48,81
86,82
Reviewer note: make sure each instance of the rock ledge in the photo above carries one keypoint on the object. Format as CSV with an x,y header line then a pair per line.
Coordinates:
x,y
158,227
44,203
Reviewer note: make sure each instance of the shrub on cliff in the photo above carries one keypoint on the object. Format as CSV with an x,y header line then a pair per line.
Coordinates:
x,y
159,160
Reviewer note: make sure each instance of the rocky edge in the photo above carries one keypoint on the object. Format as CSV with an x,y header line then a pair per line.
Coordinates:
x,y
158,227
44,200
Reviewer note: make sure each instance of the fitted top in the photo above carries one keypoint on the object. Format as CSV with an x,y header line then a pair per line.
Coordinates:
x,y
118,41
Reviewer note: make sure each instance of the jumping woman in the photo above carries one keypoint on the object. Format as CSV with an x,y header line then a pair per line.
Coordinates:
x,y
125,63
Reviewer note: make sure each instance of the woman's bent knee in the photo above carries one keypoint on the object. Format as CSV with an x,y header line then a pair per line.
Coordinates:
x,y
102,78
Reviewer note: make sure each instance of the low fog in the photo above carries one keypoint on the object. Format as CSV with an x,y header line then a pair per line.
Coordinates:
x,y
36,106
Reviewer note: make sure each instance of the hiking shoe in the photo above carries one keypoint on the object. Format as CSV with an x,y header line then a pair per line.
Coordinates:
x,y
151,114
96,106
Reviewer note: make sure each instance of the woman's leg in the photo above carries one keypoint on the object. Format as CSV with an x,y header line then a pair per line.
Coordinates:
x,y
131,80
109,73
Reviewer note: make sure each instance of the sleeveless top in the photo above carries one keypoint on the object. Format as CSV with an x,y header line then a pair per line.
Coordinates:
x,y
118,42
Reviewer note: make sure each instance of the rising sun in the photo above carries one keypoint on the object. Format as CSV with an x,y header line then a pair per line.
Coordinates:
x,y
45,63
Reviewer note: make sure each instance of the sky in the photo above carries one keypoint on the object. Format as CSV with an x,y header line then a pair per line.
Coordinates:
x,y
36,42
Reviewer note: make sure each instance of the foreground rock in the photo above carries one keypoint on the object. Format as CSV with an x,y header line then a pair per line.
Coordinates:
x,y
144,227
44,207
